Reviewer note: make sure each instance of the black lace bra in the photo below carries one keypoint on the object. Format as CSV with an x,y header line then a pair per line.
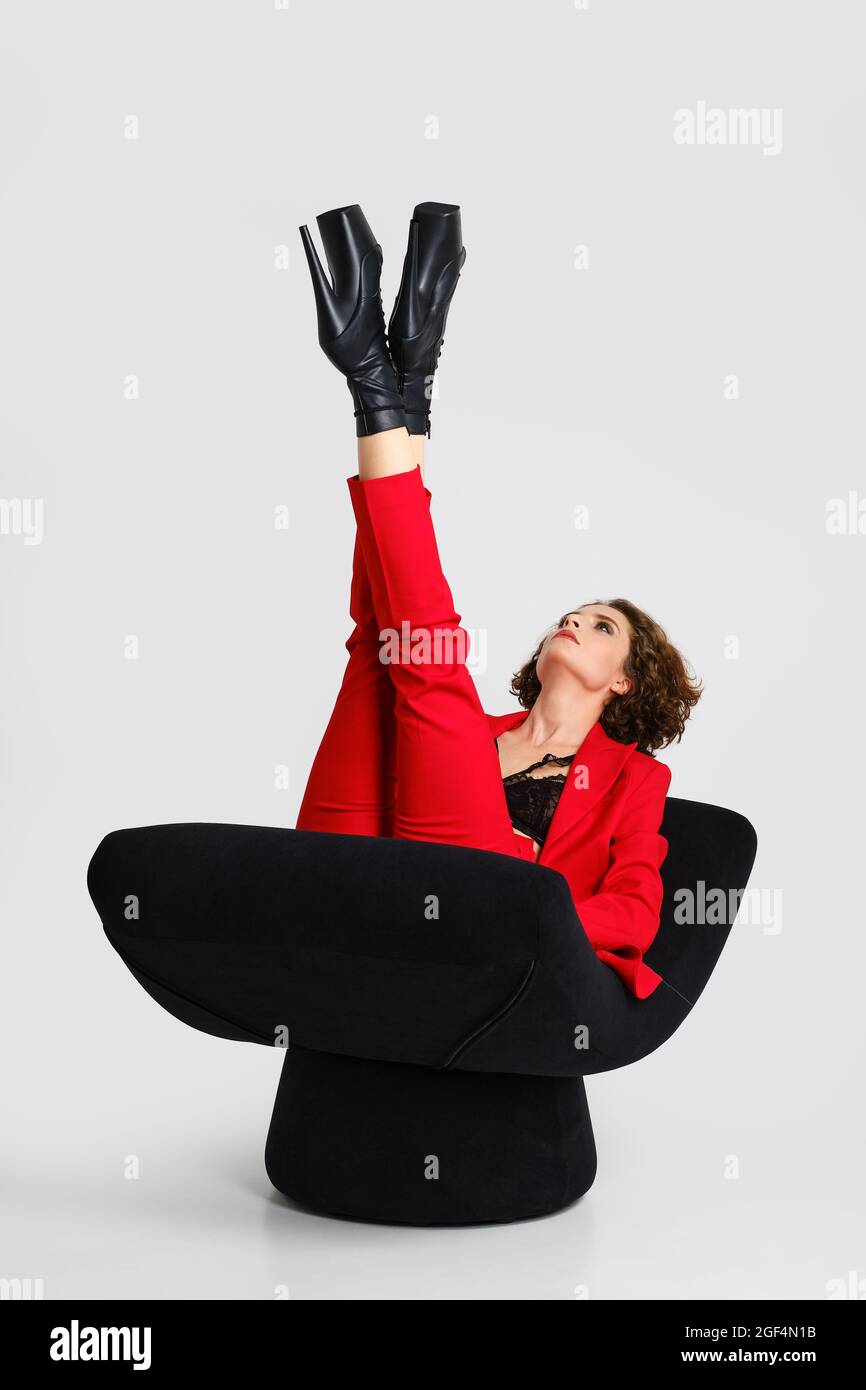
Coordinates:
x,y
532,800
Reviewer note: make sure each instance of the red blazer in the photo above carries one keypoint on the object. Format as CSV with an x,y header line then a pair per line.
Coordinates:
x,y
604,839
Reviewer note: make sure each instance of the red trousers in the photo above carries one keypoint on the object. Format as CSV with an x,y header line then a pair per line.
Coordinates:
x,y
408,751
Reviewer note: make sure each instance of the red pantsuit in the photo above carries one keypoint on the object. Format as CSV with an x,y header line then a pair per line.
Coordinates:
x,y
409,751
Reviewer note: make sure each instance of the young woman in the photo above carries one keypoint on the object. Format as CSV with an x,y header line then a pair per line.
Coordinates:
x,y
569,781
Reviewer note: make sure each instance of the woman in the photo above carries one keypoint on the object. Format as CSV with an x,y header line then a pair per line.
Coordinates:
x,y
570,781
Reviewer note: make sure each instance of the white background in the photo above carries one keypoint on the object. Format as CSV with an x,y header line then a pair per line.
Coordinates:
x,y
558,388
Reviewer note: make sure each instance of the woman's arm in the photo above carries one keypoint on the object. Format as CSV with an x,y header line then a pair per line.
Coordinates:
x,y
622,918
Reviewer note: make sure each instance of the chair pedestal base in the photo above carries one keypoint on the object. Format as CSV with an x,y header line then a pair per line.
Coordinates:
x,y
390,1142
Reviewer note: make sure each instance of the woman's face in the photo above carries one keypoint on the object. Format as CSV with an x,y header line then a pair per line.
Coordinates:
x,y
589,649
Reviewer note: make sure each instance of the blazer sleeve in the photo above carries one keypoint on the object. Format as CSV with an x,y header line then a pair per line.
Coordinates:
x,y
622,918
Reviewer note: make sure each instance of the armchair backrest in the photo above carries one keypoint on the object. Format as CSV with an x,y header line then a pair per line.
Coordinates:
x,y
711,851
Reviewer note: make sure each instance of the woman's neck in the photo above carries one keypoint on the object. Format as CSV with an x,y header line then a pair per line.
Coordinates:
x,y
549,722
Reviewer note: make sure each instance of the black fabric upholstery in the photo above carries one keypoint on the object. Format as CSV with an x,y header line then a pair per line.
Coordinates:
x,y
383,1141
250,932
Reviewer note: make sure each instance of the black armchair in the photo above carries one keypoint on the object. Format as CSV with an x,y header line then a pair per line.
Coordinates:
x,y
439,1006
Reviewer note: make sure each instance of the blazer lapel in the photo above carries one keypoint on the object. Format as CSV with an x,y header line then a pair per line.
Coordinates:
x,y
593,770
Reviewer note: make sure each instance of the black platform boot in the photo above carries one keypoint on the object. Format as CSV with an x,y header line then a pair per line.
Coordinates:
x,y
351,317
434,259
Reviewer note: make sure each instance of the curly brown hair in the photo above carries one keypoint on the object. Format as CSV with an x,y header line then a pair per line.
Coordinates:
x,y
663,692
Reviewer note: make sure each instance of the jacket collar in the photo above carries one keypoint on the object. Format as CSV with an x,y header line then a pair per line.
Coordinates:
x,y
599,760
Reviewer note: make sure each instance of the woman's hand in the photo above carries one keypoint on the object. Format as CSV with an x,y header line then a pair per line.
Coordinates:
x,y
536,847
